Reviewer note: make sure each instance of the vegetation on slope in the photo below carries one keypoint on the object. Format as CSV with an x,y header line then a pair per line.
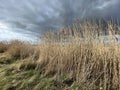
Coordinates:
x,y
62,61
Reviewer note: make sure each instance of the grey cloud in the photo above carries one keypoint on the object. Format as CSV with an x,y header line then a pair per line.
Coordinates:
x,y
36,16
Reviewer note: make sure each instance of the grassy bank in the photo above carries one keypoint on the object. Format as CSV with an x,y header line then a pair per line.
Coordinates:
x,y
63,61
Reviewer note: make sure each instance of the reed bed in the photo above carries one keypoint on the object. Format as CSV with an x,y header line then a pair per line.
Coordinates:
x,y
77,57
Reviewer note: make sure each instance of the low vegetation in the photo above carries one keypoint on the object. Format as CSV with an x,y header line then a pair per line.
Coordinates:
x,y
73,59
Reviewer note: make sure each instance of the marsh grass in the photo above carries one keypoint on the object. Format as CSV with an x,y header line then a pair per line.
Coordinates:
x,y
3,47
73,59
83,55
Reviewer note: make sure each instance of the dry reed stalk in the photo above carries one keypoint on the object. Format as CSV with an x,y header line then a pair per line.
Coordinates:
x,y
80,54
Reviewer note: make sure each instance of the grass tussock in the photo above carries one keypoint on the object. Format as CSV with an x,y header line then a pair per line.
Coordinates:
x,y
3,47
77,58
21,50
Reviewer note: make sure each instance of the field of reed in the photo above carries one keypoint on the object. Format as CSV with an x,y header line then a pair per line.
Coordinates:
x,y
78,57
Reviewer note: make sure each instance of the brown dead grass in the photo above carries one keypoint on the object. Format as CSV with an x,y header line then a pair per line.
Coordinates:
x,y
88,63
3,47
18,49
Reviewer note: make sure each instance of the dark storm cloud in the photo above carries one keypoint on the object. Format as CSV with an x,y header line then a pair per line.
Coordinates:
x,y
36,16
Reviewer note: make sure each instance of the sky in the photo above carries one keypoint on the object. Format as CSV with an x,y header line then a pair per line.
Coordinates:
x,y
28,19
